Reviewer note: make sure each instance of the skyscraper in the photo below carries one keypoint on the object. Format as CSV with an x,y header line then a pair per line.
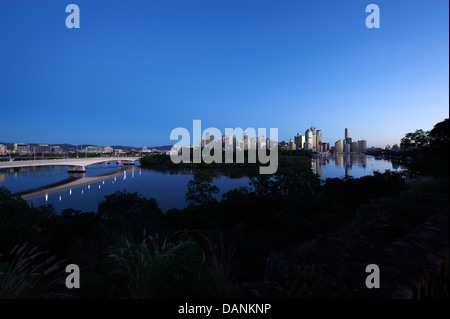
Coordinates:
x,y
299,141
318,140
362,146
313,132
245,138
309,139
339,146
292,145
346,134
347,148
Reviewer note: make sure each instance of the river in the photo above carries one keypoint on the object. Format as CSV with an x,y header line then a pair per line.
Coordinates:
x,y
52,184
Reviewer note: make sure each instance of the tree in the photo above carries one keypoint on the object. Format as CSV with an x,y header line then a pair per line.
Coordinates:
x,y
416,140
124,204
439,135
200,191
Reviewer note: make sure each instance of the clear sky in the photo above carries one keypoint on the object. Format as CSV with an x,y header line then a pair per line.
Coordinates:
x,y
135,70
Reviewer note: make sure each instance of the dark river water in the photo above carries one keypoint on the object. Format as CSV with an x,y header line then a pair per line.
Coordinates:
x,y
168,187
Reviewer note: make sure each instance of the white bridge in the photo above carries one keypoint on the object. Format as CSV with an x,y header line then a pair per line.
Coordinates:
x,y
76,165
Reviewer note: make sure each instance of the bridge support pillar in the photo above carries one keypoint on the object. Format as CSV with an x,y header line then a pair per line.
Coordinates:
x,y
76,169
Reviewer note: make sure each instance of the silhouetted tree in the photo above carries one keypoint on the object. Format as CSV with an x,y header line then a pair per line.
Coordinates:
x,y
200,191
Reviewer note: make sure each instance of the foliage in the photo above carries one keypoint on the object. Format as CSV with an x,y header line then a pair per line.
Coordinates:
x,y
200,191
28,273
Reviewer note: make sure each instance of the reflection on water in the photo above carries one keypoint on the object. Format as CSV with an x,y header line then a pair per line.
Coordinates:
x,y
347,164
84,191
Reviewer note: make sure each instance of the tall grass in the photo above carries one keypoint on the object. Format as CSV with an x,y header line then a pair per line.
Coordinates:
x,y
218,260
147,266
27,273
168,267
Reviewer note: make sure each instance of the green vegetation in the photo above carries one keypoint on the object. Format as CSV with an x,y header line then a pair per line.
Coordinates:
x,y
285,159
424,152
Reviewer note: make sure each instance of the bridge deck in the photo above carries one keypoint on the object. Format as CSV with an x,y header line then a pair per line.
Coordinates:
x,y
65,162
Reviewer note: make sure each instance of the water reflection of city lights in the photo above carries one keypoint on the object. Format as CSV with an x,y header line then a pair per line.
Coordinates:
x,y
103,182
89,186
46,197
99,187
70,192
59,197
82,191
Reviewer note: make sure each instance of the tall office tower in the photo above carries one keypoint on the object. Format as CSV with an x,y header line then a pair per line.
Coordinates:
x,y
292,145
347,148
339,146
309,138
355,147
245,140
346,134
299,141
362,146
267,143
318,140
313,131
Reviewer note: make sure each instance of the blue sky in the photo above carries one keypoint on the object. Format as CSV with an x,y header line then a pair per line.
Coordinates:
x,y
135,70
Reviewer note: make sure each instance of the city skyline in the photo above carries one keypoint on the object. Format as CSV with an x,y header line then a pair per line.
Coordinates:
x,y
135,71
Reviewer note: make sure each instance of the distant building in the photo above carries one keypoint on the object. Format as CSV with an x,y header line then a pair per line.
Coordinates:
x,y
318,140
142,150
261,142
362,145
23,148
307,146
314,140
108,149
299,141
347,148
355,147
13,148
94,149
396,148
347,135
245,140
339,146
309,139
3,149
292,146
40,149
57,150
